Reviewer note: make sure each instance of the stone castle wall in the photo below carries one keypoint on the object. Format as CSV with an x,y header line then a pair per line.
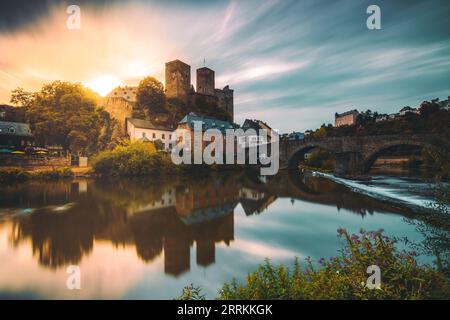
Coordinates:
x,y
119,109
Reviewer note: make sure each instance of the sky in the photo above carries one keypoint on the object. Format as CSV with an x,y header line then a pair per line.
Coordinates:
x,y
291,63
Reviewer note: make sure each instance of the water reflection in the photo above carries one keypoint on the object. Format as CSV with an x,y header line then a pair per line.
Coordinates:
x,y
62,220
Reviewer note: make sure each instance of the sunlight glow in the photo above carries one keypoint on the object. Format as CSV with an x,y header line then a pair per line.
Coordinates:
x,y
104,84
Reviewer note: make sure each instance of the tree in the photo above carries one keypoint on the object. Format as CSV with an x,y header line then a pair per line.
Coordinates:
x,y
150,96
66,114
21,97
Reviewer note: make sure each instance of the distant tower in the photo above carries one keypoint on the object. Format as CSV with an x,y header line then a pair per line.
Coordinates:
x,y
205,81
178,80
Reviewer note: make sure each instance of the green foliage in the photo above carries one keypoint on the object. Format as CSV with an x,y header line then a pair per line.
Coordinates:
x,y
432,119
191,293
53,174
159,145
66,114
320,158
150,96
133,158
14,175
344,276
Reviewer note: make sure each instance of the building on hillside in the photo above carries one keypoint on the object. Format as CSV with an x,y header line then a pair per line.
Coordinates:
x,y
381,117
146,131
445,104
408,110
308,133
393,116
127,93
345,119
294,136
15,135
178,85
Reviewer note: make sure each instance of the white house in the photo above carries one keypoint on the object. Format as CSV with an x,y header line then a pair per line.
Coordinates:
x,y
145,130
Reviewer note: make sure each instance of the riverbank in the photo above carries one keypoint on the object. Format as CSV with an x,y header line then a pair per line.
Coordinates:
x,y
16,174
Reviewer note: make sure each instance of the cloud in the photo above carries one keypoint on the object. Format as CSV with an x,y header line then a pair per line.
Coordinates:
x,y
285,60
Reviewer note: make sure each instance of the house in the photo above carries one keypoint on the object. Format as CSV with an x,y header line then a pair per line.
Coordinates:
x,y
445,104
381,117
15,135
345,119
308,133
408,110
257,139
393,116
293,136
146,131
185,129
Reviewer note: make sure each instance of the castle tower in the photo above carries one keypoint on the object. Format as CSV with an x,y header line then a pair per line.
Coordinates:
x,y
205,81
225,99
178,80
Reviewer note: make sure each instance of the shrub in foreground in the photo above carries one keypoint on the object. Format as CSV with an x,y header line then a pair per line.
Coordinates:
x,y
132,158
344,276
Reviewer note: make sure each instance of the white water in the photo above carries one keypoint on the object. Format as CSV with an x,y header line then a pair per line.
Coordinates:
x,y
410,192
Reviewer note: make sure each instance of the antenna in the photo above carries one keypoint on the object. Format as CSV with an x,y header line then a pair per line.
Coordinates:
x,y
204,62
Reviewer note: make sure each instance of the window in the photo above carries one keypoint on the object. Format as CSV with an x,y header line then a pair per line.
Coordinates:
x,y
154,135
170,137
12,130
143,134
163,136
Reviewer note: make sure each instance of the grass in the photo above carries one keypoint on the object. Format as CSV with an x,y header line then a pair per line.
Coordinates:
x,y
13,175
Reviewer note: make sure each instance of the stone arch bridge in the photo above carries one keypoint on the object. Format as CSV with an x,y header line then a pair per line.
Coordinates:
x,y
355,154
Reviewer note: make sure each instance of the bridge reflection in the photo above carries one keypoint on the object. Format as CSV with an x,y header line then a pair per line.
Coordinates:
x,y
62,220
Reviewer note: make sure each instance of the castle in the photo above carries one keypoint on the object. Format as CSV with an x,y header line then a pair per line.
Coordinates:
x,y
120,102
178,85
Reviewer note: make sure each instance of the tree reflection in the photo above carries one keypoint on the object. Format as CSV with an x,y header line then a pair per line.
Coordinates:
x,y
157,216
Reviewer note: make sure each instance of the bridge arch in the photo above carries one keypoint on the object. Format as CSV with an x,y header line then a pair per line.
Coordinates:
x,y
298,153
369,159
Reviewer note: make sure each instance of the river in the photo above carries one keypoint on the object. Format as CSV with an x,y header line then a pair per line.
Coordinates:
x,y
147,238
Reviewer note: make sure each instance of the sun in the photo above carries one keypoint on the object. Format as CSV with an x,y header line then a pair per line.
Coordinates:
x,y
104,84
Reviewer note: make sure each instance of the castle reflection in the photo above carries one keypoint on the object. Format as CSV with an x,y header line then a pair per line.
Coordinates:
x,y
62,220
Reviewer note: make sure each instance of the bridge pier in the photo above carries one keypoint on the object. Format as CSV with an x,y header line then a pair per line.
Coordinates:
x,y
348,164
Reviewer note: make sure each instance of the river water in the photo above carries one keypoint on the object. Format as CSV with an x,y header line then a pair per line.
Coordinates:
x,y
147,238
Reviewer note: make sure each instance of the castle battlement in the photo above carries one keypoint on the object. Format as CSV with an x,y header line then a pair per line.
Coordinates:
x,y
178,85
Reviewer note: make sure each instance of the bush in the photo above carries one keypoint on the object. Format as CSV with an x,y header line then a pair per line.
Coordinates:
x,y
53,174
133,158
13,175
344,276
19,175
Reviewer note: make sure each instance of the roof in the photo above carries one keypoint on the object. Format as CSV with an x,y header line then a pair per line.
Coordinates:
x,y
15,129
146,124
177,61
208,123
256,124
354,111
